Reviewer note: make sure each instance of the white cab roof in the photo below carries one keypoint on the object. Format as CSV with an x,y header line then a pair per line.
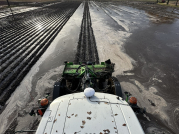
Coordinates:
x,y
101,114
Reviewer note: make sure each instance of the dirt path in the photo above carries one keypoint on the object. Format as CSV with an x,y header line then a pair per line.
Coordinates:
x,y
86,49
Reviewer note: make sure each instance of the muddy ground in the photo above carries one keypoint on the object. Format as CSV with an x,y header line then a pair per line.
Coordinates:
x,y
141,38
155,73
23,42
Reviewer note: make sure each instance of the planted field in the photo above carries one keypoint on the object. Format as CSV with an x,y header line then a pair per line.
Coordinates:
x,y
24,41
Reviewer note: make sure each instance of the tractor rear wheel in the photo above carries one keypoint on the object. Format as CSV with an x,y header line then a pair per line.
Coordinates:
x,y
115,86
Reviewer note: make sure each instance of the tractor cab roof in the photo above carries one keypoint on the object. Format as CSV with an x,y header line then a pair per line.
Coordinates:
x,y
100,114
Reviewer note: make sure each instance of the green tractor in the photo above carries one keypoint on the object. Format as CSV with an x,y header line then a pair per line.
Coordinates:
x,y
87,95
77,77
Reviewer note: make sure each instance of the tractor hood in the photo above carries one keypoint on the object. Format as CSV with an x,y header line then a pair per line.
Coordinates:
x,y
100,114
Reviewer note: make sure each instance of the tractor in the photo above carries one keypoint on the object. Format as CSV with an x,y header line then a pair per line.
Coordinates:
x,y
88,100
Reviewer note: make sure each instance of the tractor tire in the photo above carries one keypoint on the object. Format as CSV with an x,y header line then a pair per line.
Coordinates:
x,y
117,85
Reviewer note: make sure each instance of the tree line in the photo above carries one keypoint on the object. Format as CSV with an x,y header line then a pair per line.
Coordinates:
x,y
168,2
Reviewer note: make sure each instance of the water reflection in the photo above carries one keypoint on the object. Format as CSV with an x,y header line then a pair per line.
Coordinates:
x,y
156,18
39,26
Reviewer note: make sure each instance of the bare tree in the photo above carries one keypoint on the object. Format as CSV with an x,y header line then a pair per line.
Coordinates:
x,y
168,2
176,2
8,3
10,8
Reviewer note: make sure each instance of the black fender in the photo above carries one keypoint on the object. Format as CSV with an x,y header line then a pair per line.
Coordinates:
x,y
117,85
56,90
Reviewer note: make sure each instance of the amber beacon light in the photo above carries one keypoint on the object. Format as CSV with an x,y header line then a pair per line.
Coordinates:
x,y
44,102
133,100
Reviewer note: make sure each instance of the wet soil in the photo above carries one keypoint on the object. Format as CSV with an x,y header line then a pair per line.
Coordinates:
x,y
157,66
151,40
164,14
141,38
86,49
41,77
24,41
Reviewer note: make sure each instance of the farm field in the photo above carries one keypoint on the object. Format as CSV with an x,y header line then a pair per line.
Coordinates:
x,y
24,42
141,38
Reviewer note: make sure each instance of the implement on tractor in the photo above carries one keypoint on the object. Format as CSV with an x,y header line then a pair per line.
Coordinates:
x,y
95,71
78,77
85,91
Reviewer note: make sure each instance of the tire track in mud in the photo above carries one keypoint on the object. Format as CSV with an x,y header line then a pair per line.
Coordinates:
x,y
86,49
24,44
